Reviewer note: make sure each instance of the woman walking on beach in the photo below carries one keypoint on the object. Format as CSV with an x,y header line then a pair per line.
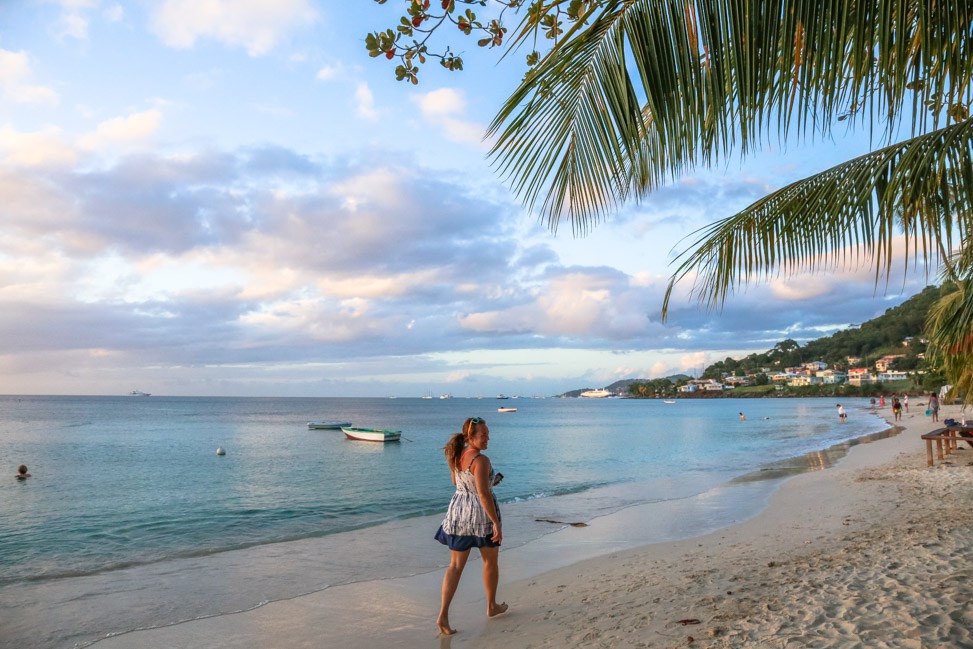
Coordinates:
x,y
473,517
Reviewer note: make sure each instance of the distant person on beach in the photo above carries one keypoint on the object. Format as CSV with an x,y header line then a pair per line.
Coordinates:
x,y
896,408
905,402
22,472
881,400
934,406
743,417
472,518
842,415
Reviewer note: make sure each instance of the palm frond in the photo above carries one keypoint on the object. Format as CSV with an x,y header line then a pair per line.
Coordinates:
x,y
950,327
649,88
919,189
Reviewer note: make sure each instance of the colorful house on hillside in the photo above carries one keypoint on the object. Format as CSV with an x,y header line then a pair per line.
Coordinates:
x,y
883,364
860,376
738,381
831,377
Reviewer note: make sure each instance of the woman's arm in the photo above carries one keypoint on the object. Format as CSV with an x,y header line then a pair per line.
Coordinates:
x,y
481,472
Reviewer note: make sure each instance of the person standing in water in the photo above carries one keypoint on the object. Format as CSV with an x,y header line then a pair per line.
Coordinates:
x,y
842,415
472,518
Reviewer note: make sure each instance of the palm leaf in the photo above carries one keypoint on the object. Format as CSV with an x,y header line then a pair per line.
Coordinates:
x,y
649,88
951,339
919,189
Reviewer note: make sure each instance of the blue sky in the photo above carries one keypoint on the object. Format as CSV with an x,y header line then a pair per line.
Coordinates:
x,y
212,197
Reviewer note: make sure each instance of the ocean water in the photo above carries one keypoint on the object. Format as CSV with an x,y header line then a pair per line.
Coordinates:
x,y
130,520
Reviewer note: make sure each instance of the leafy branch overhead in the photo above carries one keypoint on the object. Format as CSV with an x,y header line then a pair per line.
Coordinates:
x,y
411,42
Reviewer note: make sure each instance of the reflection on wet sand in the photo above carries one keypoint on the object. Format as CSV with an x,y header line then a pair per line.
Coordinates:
x,y
813,461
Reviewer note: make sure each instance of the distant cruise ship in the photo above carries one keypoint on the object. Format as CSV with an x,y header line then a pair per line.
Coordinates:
x,y
596,394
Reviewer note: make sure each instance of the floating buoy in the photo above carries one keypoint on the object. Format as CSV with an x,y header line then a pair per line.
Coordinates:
x,y
220,451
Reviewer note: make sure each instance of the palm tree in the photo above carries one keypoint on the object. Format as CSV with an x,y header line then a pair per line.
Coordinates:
x,y
639,91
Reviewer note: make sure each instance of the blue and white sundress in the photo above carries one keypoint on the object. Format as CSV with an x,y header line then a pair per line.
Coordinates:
x,y
466,524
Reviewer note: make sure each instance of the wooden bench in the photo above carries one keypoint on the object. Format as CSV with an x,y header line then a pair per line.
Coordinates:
x,y
947,437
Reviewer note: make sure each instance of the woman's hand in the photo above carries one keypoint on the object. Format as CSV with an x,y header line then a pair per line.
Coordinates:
x,y
497,534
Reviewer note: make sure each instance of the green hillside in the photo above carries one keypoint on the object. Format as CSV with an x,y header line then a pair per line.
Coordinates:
x,y
899,331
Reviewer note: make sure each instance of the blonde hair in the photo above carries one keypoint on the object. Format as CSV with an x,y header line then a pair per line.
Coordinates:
x,y
457,443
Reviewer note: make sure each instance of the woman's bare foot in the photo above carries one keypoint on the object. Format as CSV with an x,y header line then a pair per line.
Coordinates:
x,y
445,629
498,609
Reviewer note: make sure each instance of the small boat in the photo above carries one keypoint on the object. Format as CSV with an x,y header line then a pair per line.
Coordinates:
x,y
502,409
327,425
139,393
668,401
371,434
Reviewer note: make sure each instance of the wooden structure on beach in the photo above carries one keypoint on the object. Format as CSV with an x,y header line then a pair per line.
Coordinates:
x,y
947,439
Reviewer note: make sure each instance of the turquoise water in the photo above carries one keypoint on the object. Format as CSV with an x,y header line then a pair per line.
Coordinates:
x,y
127,489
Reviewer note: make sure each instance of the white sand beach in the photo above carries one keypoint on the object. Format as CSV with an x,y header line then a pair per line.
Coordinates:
x,y
874,552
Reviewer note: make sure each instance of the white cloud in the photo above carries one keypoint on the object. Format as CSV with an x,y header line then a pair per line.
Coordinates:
x,y
695,361
365,102
115,13
257,25
15,86
126,132
440,103
443,108
13,67
74,25
327,72
578,303
38,148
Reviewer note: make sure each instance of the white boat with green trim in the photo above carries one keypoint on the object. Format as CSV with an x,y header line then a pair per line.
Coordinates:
x,y
371,434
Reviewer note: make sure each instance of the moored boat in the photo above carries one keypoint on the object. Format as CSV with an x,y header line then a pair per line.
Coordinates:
x,y
502,409
327,425
371,434
668,401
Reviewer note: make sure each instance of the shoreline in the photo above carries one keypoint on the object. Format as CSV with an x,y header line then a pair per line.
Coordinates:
x,y
875,551
584,602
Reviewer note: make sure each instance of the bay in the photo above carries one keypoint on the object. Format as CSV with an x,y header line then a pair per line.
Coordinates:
x,y
128,495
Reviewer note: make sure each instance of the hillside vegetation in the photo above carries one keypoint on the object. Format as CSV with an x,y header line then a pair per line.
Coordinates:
x,y
900,331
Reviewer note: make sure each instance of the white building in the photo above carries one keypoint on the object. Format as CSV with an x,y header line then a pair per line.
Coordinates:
x,y
892,375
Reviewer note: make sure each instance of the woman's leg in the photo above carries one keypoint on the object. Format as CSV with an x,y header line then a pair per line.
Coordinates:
x,y
457,561
491,578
